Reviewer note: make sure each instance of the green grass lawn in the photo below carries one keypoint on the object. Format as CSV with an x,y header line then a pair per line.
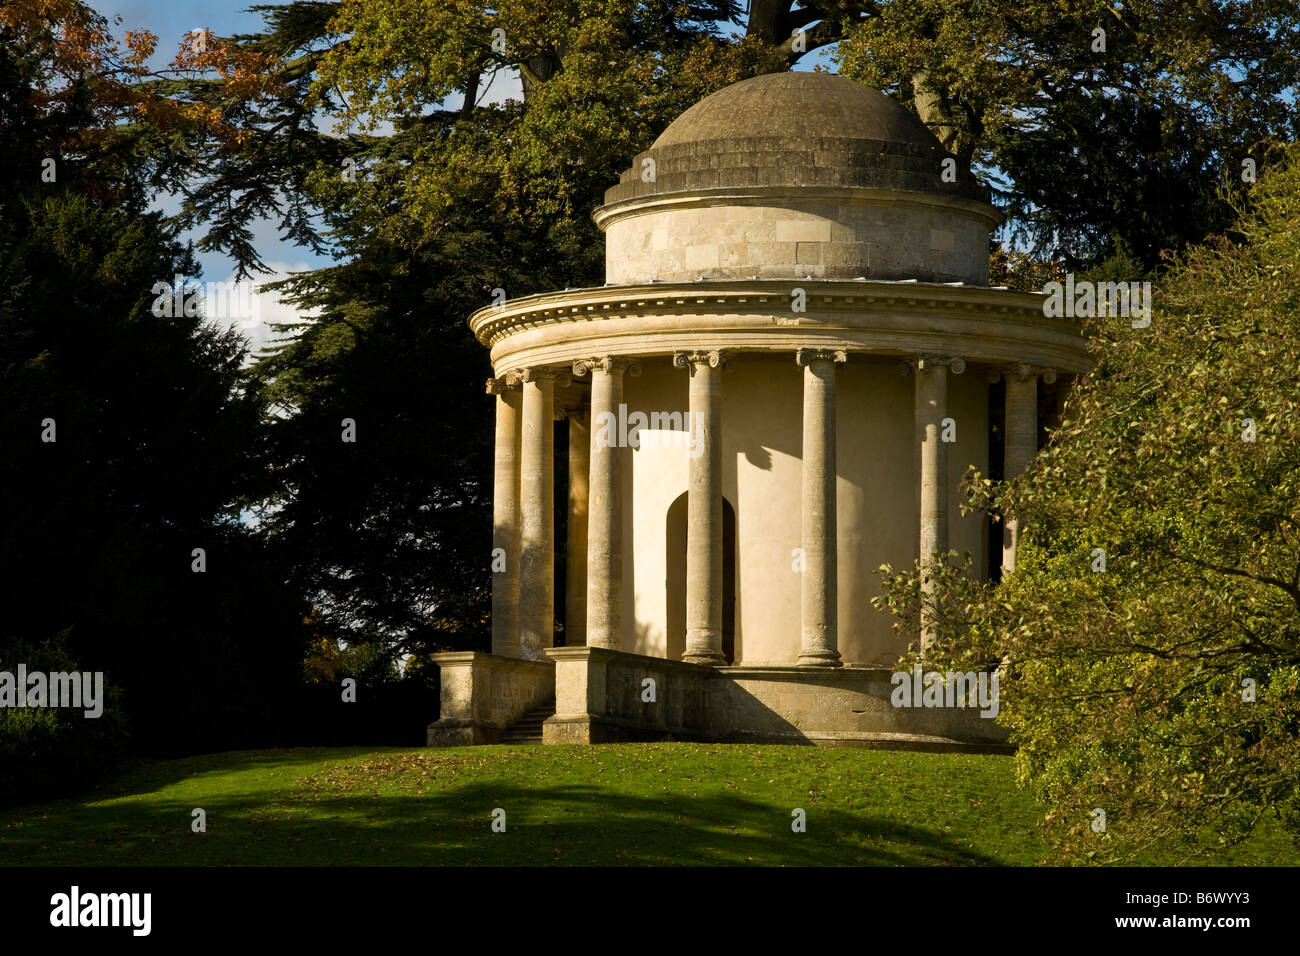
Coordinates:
x,y
634,804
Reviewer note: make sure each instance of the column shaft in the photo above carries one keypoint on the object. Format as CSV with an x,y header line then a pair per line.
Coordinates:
x,y
931,409
605,519
505,520
704,513
819,591
537,517
1021,446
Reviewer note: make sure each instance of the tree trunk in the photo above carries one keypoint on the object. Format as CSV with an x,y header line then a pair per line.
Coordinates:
x,y
938,113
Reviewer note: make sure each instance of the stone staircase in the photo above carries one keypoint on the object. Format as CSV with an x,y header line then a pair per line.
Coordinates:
x,y
528,728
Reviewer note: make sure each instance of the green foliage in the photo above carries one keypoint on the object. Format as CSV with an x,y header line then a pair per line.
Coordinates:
x,y
1135,148
1131,687
390,534
157,444
1016,269
54,752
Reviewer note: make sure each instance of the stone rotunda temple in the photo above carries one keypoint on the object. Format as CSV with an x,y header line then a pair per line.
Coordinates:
x,y
793,360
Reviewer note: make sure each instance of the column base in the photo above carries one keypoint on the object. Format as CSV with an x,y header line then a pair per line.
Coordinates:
x,y
819,659
704,646
713,660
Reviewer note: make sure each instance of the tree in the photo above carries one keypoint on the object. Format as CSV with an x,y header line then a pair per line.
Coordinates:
x,y
1108,128
1152,625
384,521
130,440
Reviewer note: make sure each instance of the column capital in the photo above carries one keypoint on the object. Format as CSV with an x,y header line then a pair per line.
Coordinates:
x,y
502,384
546,373
713,358
1024,372
926,362
607,363
805,357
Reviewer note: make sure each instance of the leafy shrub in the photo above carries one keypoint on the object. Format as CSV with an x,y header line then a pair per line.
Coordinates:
x,y
54,751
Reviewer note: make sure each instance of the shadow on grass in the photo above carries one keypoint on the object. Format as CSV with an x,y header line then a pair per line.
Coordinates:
x,y
145,776
548,825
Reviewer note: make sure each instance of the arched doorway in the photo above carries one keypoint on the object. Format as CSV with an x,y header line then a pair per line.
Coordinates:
x,y
675,540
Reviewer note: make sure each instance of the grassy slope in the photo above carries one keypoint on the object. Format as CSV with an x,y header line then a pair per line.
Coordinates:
x,y
625,804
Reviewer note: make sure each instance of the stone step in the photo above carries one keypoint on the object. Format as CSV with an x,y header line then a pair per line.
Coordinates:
x,y
528,728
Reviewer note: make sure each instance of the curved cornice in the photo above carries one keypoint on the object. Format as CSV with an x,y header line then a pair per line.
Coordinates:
x,y
992,326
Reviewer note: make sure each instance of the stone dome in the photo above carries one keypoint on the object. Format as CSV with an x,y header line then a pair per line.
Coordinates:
x,y
795,129
798,107
795,175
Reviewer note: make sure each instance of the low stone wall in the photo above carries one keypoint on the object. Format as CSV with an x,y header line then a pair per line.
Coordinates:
x,y
482,694
847,707
602,696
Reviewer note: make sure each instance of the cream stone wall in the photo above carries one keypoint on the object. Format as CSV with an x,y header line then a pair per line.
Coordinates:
x,y
876,482
968,406
603,695
658,474
837,707
762,426
891,238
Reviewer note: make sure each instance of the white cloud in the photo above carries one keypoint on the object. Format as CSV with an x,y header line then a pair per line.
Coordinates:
x,y
270,309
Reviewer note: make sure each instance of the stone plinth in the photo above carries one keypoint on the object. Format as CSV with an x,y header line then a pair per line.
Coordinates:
x,y
601,697
482,694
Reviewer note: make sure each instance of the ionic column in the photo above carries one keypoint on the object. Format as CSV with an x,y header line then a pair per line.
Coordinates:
x,y
605,502
575,578
704,510
931,410
537,515
505,517
1021,443
819,592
